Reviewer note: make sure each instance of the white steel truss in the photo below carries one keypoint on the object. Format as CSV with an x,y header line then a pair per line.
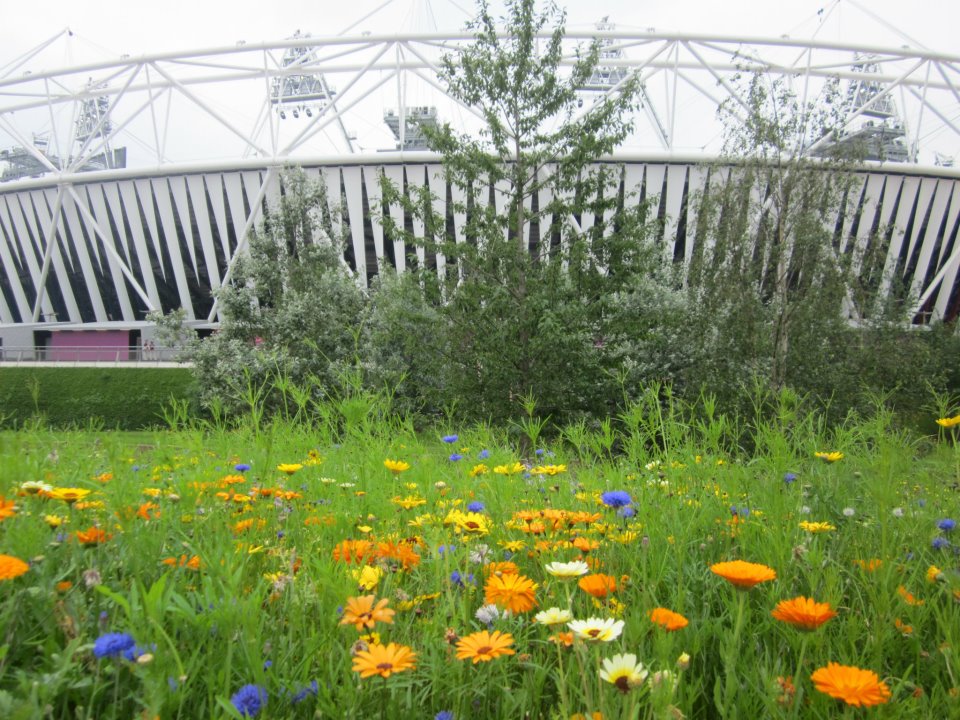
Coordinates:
x,y
205,143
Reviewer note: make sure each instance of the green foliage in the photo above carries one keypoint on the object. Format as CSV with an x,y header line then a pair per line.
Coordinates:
x,y
290,308
124,398
509,320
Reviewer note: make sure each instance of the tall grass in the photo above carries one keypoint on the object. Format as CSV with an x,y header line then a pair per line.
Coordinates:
x,y
228,578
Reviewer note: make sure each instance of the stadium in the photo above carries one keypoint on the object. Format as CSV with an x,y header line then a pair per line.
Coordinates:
x,y
131,185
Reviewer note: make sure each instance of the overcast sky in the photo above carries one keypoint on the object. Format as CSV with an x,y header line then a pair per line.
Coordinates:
x,y
114,27
107,29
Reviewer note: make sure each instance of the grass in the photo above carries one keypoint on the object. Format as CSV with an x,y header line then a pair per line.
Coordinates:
x,y
227,578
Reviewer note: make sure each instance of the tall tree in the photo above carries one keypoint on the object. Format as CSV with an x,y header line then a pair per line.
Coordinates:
x,y
526,299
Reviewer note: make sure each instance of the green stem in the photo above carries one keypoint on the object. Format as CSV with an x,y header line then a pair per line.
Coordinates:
x,y
562,684
796,675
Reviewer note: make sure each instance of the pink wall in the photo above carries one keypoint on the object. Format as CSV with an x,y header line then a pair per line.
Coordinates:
x,y
89,345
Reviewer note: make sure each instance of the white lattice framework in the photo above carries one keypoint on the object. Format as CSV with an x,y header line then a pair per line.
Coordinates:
x,y
206,147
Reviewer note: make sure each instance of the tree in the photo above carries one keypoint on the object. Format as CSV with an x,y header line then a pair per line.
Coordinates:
x,y
291,305
525,302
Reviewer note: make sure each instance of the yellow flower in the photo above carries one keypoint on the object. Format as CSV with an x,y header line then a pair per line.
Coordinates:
x,y
54,521
367,577
934,573
949,422
829,457
548,470
289,468
480,469
409,502
396,466
511,469
817,527
68,495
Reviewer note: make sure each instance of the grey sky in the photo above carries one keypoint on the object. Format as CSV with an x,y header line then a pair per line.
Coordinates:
x,y
111,27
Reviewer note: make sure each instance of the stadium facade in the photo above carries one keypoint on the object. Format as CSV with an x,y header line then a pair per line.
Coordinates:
x,y
91,240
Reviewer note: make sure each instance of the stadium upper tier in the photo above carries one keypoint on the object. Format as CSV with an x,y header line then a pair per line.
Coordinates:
x,y
131,185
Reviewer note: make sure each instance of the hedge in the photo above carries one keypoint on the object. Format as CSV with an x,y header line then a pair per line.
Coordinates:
x,y
123,398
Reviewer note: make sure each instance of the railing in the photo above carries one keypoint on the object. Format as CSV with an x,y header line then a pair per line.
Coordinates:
x,y
87,354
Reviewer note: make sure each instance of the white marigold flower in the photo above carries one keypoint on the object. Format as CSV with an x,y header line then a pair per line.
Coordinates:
x,y
568,570
596,629
553,616
623,671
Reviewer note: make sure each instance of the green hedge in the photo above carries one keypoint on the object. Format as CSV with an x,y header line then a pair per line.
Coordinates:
x,y
123,398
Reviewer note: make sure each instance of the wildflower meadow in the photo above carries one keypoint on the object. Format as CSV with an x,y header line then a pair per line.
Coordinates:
x,y
357,567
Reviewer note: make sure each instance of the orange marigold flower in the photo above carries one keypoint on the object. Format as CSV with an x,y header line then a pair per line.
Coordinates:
x,y
585,545
668,619
484,646
871,565
501,568
144,511
362,613
353,551
63,586
563,639
8,508
11,567
513,592
598,584
92,536
854,686
908,596
803,613
743,574
384,660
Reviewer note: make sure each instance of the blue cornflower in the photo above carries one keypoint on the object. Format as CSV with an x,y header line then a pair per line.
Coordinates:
x,y
939,543
450,438
789,478
461,580
483,454
626,512
476,506
249,699
616,498
267,664
743,512
305,692
444,549
539,452
444,715
455,457
111,644
947,524
241,467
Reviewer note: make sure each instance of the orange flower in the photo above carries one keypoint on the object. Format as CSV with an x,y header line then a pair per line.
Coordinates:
x,y
192,563
92,536
11,567
743,574
144,511
563,639
8,508
361,612
668,619
598,584
353,551
63,586
484,646
908,596
854,686
803,613
513,592
383,660
501,568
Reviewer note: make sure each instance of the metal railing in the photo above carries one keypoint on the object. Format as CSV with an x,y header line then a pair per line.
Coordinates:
x,y
87,354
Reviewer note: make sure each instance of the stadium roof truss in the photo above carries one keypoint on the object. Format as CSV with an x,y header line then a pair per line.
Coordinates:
x,y
86,237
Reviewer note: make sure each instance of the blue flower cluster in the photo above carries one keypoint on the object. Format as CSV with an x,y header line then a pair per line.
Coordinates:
x,y
113,644
616,498
249,699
